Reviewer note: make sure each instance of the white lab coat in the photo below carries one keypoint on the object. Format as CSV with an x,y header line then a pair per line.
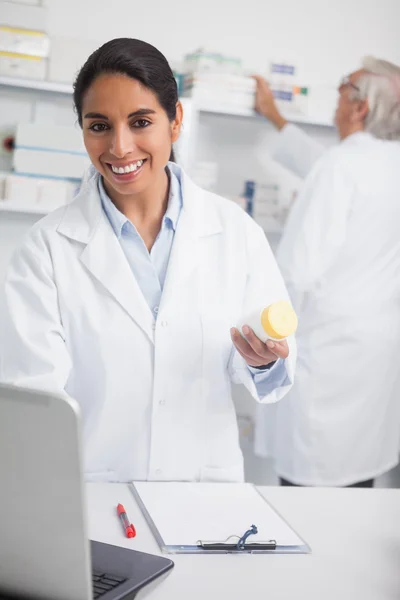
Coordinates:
x,y
155,394
340,258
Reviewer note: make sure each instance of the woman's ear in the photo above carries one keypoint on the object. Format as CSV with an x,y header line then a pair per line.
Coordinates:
x,y
176,124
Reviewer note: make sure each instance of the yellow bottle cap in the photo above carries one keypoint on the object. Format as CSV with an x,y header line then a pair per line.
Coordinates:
x,y
279,320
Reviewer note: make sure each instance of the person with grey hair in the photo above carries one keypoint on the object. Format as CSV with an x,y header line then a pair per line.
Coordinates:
x,y
340,258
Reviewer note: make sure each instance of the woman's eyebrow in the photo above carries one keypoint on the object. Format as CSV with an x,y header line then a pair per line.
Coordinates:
x,y
137,113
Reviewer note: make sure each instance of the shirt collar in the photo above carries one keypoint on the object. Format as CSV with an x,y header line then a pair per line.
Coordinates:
x,y
174,201
117,219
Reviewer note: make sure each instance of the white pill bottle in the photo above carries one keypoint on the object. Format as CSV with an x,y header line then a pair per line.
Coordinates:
x,y
276,322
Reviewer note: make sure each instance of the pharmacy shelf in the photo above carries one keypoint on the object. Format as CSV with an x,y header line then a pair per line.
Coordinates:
x,y
249,113
66,89
9,206
34,85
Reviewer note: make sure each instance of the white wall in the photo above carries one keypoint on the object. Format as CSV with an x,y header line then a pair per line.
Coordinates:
x,y
325,38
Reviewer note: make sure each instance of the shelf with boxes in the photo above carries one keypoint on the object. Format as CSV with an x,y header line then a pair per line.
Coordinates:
x,y
209,85
202,104
34,194
36,85
220,109
24,43
48,163
219,84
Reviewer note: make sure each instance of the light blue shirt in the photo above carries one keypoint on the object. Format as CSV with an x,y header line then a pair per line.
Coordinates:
x,y
150,268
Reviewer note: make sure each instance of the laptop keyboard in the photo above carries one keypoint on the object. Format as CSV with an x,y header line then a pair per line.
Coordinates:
x,y
103,583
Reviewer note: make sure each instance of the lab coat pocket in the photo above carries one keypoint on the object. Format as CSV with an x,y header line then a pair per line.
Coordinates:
x,y
229,474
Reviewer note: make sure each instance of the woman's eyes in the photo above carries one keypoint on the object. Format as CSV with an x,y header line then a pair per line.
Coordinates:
x,y
138,124
98,127
141,123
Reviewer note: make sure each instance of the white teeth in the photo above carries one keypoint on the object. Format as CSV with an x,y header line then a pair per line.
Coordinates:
x,y
128,168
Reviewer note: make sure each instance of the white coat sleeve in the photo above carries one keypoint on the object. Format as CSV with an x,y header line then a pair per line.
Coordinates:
x,y
264,286
316,229
294,150
33,352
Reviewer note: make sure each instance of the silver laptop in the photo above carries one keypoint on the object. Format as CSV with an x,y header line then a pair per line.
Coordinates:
x,y
45,552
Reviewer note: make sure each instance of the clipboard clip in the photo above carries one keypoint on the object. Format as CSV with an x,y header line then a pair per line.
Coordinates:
x,y
252,531
241,545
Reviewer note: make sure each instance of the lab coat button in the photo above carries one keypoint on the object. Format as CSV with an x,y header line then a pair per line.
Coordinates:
x,y
155,309
162,402
164,323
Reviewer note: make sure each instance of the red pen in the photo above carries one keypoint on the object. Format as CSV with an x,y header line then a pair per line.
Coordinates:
x,y
130,531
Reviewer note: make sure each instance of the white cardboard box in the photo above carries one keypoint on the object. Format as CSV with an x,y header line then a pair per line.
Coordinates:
x,y
28,16
21,190
24,41
54,137
49,151
34,192
24,67
53,193
50,164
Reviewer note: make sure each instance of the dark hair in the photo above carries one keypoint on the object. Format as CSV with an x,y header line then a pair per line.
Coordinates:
x,y
136,59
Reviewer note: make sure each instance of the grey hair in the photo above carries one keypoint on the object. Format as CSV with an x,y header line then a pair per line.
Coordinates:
x,y
380,85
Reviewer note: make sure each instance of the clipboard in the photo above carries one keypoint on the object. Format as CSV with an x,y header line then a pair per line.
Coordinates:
x,y
178,514
239,545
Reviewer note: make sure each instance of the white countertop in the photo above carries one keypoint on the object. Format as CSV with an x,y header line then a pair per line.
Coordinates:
x,y
354,535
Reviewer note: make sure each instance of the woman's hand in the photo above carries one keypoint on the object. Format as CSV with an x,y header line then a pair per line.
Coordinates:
x,y
254,351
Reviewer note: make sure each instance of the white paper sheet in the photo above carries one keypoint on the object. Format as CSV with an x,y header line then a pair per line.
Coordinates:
x,y
185,513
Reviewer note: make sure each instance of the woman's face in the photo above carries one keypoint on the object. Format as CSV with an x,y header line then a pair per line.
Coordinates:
x,y
127,132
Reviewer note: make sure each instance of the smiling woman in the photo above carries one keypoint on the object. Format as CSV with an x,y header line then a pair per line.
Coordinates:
x,y
132,290
127,104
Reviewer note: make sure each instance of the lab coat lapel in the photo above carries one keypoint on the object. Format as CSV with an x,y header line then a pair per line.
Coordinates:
x,y
103,256
105,259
